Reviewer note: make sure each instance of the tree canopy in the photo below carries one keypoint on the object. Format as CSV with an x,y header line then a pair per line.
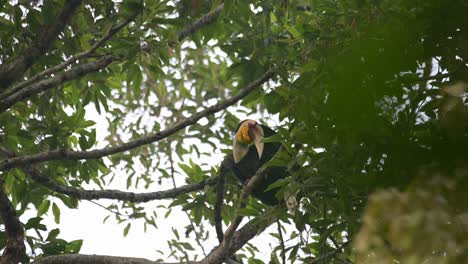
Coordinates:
x,y
369,99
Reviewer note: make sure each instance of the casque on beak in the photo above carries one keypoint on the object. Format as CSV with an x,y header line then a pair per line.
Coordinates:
x,y
248,132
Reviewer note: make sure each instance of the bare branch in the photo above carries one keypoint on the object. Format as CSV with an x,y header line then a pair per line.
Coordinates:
x,y
96,259
116,194
15,250
72,59
99,153
202,22
11,71
60,78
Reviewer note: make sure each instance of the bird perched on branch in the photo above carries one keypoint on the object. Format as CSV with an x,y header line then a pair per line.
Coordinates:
x,y
250,152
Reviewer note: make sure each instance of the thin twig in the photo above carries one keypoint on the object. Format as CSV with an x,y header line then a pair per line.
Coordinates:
x,y
108,209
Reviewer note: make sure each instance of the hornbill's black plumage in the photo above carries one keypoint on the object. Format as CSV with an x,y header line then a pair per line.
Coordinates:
x,y
248,158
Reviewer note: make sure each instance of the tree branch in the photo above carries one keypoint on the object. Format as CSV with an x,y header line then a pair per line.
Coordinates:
x,y
96,259
11,71
72,59
15,250
108,194
201,22
99,153
116,194
60,78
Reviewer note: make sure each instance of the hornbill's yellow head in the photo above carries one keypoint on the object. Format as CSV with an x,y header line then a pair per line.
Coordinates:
x,y
248,132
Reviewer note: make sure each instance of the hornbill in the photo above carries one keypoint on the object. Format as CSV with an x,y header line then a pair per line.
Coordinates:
x,y
248,158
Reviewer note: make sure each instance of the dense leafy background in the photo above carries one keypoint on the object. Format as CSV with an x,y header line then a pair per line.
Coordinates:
x,y
370,95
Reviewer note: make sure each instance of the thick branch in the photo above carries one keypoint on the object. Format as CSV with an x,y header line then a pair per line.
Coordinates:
x,y
96,259
60,78
99,153
202,22
116,194
15,250
72,59
12,71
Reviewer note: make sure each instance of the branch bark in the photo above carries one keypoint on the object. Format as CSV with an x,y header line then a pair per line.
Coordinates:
x,y
11,71
99,153
96,259
60,78
15,250
200,23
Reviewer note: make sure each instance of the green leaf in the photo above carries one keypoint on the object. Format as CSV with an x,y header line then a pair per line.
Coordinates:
x,y
33,223
56,213
294,32
43,207
53,234
276,184
127,229
248,212
74,246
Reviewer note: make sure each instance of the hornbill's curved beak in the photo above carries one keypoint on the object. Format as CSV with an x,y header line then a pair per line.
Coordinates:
x,y
249,131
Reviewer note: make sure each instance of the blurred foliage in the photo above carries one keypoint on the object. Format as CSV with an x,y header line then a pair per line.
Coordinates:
x,y
368,93
427,222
